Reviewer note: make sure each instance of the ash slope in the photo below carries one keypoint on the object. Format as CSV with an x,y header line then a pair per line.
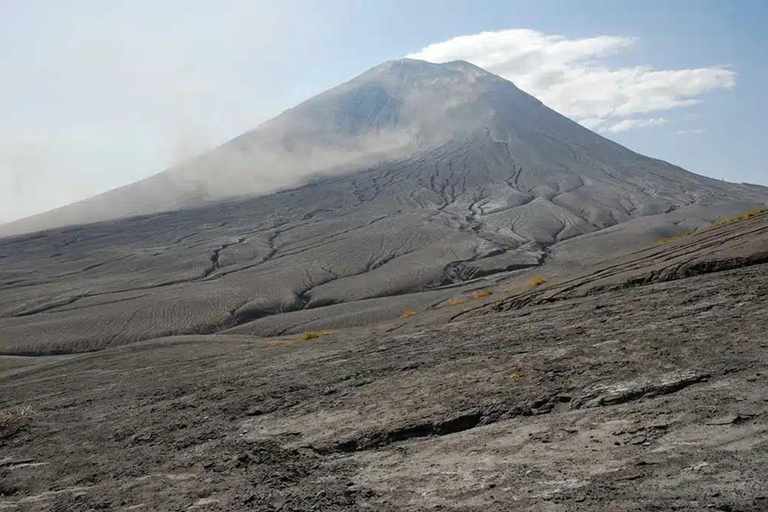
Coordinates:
x,y
451,118
633,396
451,174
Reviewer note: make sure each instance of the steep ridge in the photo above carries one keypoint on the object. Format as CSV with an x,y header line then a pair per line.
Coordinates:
x,y
716,249
434,175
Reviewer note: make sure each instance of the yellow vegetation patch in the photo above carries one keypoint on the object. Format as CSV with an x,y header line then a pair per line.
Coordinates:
x,y
537,281
663,241
12,419
457,301
737,218
312,335
723,222
479,294
407,314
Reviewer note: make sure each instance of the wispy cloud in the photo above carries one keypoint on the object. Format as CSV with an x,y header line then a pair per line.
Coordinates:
x,y
571,75
628,124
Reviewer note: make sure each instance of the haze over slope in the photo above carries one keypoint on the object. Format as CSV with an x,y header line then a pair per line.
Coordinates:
x,y
398,109
441,173
395,109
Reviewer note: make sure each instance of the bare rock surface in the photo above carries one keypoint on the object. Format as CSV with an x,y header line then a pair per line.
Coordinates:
x,y
646,396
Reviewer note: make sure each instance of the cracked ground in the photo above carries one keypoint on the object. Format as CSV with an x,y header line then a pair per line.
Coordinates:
x,y
650,397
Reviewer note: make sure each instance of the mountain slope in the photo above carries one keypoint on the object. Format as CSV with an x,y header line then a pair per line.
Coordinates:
x,y
394,109
409,108
435,175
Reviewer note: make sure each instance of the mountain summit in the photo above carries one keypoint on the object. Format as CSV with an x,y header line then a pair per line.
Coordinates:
x,y
397,110
418,177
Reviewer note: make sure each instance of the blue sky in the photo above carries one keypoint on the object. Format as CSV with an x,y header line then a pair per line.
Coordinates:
x,y
94,94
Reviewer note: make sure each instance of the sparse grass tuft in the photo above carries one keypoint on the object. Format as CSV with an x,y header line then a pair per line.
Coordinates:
x,y
457,301
536,281
719,223
12,419
743,216
407,314
663,241
312,335
219,323
479,294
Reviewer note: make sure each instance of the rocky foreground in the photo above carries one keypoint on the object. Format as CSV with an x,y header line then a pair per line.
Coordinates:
x,y
644,387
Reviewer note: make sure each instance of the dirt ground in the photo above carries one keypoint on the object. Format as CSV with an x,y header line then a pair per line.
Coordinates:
x,y
647,398
640,383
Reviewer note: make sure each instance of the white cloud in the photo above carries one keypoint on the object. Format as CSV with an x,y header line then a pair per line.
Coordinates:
x,y
694,131
628,124
572,77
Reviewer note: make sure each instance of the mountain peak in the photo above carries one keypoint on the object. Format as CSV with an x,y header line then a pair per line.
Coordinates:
x,y
407,66
400,109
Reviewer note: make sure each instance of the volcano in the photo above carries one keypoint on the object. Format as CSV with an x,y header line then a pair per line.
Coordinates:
x,y
388,191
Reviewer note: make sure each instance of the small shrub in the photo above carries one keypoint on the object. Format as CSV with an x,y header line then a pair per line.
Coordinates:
x,y
312,335
457,301
219,324
407,314
479,294
11,420
536,281
663,241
